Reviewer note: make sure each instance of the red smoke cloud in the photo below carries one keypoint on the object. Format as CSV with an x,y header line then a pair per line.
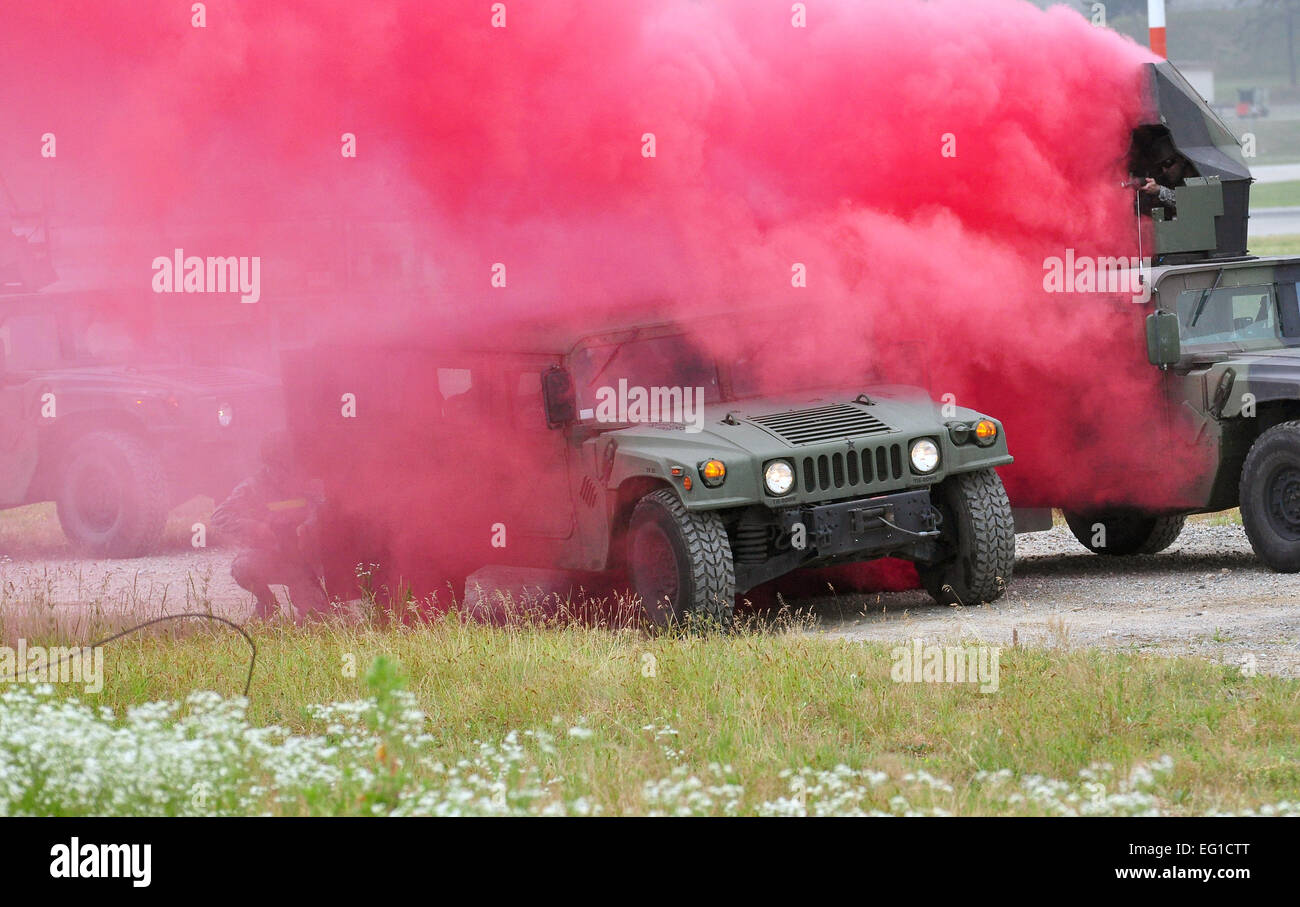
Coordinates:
x,y
774,144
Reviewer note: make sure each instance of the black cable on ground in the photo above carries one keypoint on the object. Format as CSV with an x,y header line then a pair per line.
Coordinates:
x,y
252,663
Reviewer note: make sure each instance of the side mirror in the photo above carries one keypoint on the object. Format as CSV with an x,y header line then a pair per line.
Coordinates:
x,y
557,394
1163,346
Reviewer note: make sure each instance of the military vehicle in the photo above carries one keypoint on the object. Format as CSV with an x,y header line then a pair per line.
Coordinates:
x,y
478,451
116,442
1224,328
111,424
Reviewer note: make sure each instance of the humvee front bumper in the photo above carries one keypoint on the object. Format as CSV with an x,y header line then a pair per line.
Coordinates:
x,y
860,529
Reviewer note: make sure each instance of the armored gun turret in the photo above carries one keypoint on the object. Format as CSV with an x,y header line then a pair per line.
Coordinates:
x,y
1223,330
1183,145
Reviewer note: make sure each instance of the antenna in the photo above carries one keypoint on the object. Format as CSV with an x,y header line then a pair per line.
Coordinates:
x,y
1137,213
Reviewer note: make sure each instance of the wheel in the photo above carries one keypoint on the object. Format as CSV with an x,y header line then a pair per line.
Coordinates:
x,y
1270,497
1126,532
979,535
680,561
112,495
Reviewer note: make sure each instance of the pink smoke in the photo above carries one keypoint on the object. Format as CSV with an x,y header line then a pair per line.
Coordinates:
x,y
774,144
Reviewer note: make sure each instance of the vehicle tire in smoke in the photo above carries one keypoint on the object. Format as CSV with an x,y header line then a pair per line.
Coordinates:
x,y
680,561
979,533
1270,497
1123,533
112,495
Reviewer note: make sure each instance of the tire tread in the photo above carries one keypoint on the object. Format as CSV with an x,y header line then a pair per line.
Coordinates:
x,y
713,573
143,525
990,549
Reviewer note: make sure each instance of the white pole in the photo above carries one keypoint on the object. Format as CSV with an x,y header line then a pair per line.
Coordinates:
x,y
1156,25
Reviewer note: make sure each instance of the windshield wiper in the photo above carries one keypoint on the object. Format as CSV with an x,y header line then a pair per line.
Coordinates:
x,y
618,348
1205,297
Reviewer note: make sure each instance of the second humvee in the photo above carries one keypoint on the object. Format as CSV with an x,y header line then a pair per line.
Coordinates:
x,y
116,440
1224,328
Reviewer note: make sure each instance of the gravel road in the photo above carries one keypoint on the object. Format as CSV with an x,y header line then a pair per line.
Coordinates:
x,y
1206,595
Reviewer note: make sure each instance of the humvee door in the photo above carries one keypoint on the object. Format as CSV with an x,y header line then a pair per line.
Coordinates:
x,y
538,489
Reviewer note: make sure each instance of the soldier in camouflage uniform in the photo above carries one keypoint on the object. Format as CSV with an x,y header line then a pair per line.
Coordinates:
x,y
272,517
1173,171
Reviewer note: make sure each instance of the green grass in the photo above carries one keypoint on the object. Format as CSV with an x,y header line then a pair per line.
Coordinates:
x,y
1222,518
1276,142
734,712
1275,195
1275,245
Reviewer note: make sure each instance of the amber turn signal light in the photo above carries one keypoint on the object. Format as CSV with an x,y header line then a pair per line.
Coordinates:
x,y
713,473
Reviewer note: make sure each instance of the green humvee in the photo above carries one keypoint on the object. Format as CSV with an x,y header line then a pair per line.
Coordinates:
x,y
1225,329
542,443
116,440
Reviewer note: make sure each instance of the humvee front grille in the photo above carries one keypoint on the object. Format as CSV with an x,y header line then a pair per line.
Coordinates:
x,y
821,423
853,468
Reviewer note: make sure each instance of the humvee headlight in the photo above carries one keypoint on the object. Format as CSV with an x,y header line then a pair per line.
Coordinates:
x,y
778,477
925,455
986,432
225,413
713,473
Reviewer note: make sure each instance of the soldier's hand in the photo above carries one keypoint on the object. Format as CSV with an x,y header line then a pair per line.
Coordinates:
x,y
1151,187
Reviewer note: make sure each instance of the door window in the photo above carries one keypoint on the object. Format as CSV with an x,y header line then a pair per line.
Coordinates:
x,y
463,399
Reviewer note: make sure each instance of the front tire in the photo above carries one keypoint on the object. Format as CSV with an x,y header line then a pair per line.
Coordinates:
x,y
112,495
680,561
979,533
1124,533
1270,497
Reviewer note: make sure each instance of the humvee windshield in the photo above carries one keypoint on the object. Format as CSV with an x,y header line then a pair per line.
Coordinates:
x,y
767,361
771,362
671,360
1229,315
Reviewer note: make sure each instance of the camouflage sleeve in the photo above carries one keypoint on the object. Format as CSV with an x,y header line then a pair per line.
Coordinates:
x,y
235,512
1167,197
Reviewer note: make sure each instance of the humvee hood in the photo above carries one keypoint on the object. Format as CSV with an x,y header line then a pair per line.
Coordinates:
x,y
1281,357
773,426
